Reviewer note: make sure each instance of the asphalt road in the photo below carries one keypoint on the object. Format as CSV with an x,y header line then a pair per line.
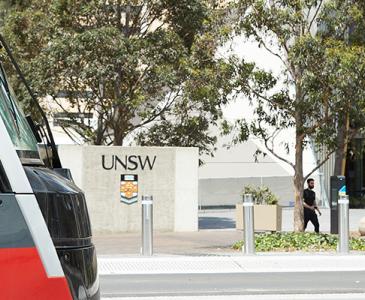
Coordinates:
x,y
232,284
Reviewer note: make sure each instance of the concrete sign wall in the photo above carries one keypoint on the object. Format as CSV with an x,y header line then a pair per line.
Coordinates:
x,y
115,178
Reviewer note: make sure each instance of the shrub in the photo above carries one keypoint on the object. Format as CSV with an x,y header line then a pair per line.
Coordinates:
x,y
261,195
292,241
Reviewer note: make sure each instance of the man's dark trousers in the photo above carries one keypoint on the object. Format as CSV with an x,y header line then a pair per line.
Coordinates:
x,y
310,215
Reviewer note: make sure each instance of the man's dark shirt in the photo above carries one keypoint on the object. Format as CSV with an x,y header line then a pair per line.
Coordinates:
x,y
309,196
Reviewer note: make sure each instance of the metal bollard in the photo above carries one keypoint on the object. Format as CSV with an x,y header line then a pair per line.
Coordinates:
x,y
249,237
147,225
343,224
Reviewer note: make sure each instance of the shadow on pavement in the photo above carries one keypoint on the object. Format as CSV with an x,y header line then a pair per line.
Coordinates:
x,y
216,223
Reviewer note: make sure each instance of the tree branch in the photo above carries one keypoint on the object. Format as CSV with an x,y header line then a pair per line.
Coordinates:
x,y
319,164
68,133
312,129
272,151
315,15
278,156
261,41
289,111
158,113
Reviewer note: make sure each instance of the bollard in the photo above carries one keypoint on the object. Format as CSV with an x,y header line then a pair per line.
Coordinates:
x,y
147,225
343,224
249,238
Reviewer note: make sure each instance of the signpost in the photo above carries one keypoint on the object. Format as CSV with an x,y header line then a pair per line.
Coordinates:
x,y
338,188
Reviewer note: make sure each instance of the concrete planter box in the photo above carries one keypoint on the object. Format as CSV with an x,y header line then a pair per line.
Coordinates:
x,y
266,217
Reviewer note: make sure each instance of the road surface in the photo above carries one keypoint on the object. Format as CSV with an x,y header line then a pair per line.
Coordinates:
x,y
231,284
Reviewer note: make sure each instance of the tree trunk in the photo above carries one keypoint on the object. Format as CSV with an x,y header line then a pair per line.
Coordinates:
x,y
342,143
99,138
118,137
298,183
118,126
298,168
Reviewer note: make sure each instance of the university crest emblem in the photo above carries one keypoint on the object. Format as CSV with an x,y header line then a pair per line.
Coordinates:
x,y
129,189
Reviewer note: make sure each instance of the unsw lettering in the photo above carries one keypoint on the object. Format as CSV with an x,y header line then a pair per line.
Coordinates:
x,y
128,162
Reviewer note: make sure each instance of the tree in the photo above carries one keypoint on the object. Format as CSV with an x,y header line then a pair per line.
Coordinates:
x,y
130,63
307,95
343,22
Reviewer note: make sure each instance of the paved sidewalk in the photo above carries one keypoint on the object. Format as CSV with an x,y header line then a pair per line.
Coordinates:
x,y
216,236
204,242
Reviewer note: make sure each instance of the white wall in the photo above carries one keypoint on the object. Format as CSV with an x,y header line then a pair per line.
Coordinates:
x,y
228,191
239,161
186,187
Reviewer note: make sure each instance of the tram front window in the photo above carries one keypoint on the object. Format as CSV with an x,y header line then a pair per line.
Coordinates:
x,y
16,123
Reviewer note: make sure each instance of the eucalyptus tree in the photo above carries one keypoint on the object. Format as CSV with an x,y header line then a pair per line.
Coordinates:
x,y
307,95
343,24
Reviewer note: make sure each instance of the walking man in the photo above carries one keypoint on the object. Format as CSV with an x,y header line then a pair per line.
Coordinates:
x,y
310,206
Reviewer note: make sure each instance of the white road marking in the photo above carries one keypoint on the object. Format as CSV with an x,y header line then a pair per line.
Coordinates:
x,y
229,264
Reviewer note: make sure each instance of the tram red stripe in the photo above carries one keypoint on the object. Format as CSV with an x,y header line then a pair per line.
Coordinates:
x,y
22,276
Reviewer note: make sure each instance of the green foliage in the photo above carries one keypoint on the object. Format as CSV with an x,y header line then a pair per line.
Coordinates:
x,y
343,20
261,195
140,67
318,83
290,241
305,96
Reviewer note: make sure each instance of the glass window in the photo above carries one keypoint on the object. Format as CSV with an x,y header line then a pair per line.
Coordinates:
x,y
15,122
